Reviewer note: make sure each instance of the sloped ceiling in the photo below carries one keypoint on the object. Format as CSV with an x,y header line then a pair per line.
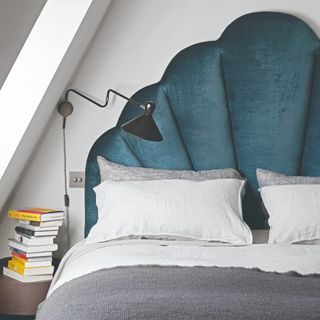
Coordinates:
x,y
50,95
16,21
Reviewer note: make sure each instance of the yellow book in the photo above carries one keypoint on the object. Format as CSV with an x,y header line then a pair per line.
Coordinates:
x,y
16,266
24,216
19,268
36,214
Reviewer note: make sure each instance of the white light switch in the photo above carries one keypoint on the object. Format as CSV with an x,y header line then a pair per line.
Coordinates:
x,y
76,179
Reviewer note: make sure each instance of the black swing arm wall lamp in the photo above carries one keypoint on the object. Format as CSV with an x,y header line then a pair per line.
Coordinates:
x,y
142,126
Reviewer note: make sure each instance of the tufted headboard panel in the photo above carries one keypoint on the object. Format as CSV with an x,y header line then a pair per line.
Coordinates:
x,y
250,99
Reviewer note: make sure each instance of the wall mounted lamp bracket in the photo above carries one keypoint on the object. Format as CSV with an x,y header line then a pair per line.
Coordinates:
x,y
142,126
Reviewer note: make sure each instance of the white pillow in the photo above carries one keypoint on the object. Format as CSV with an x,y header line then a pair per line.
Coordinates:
x,y
294,212
203,210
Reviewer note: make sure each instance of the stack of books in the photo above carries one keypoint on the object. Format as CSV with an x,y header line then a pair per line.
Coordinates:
x,y
33,244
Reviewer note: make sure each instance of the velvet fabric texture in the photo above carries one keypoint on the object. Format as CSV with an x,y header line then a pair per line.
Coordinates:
x,y
250,99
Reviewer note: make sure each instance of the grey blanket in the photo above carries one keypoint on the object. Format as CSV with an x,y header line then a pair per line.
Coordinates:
x,y
155,292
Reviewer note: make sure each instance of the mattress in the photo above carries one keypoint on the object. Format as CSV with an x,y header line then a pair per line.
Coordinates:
x,y
86,258
91,272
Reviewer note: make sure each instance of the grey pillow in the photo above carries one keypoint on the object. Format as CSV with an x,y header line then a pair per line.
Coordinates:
x,y
114,171
269,178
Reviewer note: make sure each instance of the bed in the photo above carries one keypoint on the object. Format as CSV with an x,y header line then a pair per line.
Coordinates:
x,y
248,100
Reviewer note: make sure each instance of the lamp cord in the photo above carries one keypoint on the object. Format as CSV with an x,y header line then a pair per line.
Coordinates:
x,y
66,196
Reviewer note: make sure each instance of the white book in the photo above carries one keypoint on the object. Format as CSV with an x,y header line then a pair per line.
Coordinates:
x,y
35,228
36,278
38,271
33,249
54,223
52,216
45,234
34,241
31,233
34,271
24,222
47,259
43,254
37,264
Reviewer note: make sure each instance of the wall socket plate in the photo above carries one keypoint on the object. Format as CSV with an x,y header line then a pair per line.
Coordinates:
x,y
76,179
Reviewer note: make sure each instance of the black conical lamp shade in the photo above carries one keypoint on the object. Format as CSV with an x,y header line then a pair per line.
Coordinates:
x,y
143,127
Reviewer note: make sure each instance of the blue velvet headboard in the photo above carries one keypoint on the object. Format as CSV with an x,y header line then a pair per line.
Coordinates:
x,y
250,99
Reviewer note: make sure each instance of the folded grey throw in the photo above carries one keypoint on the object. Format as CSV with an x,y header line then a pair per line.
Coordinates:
x,y
158,292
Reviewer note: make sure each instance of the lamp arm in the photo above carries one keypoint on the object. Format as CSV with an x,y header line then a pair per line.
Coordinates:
x,y
137,103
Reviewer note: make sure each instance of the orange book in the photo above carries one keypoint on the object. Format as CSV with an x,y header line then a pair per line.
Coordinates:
x,y
21,256
19,259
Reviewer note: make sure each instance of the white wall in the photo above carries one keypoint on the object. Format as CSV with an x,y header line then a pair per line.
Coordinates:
x,y
131,49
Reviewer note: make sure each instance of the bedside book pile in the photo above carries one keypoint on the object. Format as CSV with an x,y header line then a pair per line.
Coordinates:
x,y
33,244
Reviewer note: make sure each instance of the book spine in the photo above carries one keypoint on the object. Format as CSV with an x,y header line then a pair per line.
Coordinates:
x,y
17,267
19,252
20,257
34,241
19,260
42,210
25,222
20,234
24,231
55,223
24,216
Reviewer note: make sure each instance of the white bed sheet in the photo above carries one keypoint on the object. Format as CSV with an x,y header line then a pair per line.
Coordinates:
x,y
85,258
